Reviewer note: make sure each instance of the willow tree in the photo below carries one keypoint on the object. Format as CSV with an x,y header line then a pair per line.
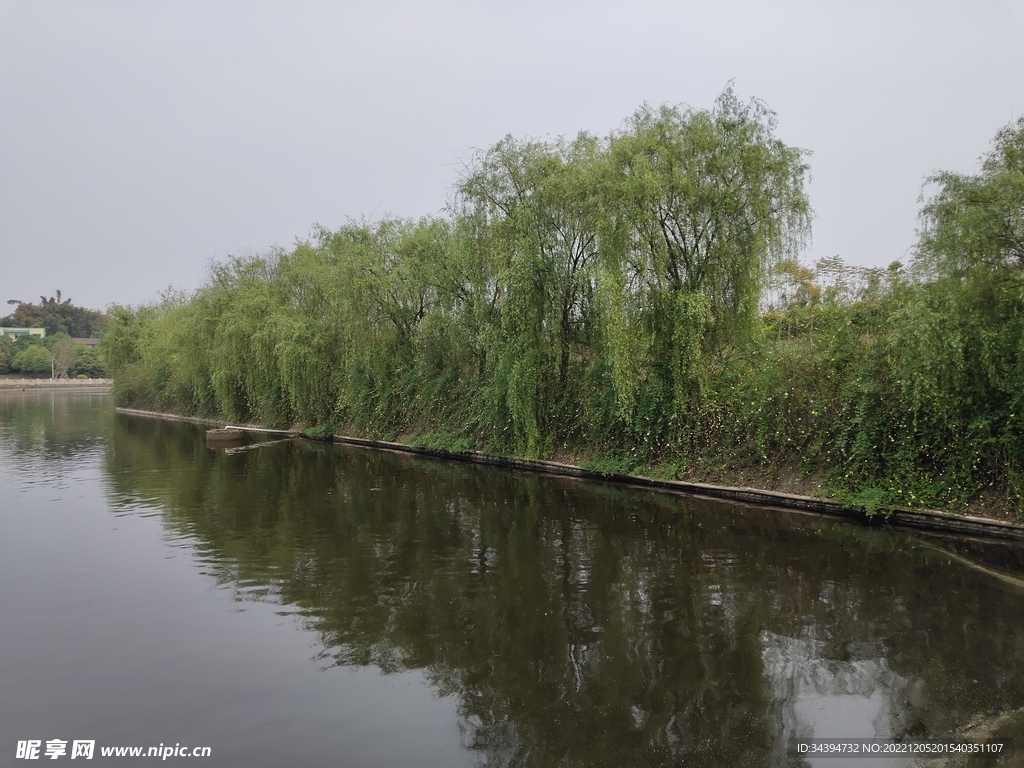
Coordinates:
x,y
975,222
541,203
958,342
393,291
702,203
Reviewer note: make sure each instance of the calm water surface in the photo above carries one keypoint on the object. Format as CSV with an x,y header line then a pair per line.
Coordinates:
x,y
308,604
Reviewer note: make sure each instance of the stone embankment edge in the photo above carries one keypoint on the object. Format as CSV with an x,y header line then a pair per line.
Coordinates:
x,y
17,385
172,417
918,519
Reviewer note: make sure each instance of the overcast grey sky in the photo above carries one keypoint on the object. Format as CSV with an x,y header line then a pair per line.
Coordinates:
x,y
139,140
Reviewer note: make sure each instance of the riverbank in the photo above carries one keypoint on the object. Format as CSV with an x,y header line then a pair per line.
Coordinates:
x,y
917,519
74,384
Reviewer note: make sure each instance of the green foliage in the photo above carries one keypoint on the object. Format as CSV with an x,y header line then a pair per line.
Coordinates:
x,y
542,204
34,359
24,342
64,353
634,302
57,316
6,354
705,202
442,440
975,222
88,364
321,432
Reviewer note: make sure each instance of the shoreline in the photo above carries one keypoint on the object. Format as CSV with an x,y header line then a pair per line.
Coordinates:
x,y
904,518
17,385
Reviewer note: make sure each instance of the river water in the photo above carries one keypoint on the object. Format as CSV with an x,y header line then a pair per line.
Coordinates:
x,y
307,604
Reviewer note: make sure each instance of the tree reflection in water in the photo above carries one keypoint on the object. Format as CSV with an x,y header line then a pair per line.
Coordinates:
x,y
584,624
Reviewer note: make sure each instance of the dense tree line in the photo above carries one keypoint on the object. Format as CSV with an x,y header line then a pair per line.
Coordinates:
x,y
56,315
58,355
632,300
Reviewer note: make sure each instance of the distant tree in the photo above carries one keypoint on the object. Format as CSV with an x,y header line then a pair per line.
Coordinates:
x,y
801,282
64,354
22,343
35,359
6,354
57,315
88,363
